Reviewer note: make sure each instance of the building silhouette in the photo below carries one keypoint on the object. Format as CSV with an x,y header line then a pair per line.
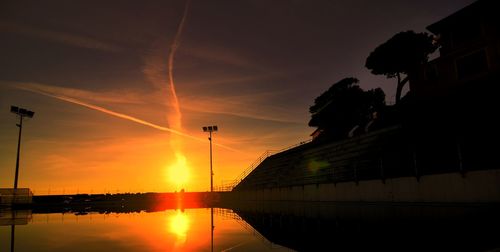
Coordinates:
x,y
469,51
438,148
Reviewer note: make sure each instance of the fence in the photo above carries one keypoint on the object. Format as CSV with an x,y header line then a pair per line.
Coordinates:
x,y
226,187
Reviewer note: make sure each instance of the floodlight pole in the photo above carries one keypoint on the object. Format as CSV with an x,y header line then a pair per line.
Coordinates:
x,y
211,172
21,112
20,125
210,129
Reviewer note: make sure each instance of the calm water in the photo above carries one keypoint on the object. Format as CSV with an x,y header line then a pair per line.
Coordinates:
x,y
260,226
169,230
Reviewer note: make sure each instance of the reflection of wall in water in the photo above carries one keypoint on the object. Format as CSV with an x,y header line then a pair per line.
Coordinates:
x,y
398,227
17,217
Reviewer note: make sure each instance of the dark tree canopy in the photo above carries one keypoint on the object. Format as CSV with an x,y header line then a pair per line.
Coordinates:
x,y
400,55
336,91
343,106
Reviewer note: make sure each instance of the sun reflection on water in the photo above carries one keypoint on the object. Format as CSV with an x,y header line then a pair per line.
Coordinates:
x,y
179,225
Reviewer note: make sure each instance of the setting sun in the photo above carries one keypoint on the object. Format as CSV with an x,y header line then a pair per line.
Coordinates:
x,y
178,172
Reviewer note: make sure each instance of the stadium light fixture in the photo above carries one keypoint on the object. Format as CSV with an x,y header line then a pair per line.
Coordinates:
x,y
210,129
22,113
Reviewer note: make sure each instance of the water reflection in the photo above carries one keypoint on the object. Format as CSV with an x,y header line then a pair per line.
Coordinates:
x,y
259,226
13,218
179,225
18,217
359,227
212,227
166,230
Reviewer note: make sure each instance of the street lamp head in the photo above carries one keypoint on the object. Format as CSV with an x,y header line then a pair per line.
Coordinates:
x,y
22,112
14,109
210,128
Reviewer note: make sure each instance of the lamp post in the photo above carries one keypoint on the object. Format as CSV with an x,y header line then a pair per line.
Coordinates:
x,y
21,112
210,129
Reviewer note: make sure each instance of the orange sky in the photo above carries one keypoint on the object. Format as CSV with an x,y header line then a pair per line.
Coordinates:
x,y
99,75
70,148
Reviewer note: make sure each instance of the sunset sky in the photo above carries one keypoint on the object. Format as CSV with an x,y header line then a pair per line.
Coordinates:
x,y
96,73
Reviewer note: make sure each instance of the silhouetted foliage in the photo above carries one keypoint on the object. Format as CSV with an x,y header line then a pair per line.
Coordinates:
x,y
343,106
400,55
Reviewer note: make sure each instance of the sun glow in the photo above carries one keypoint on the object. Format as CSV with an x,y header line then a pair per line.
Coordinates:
x,y
179,225
178,172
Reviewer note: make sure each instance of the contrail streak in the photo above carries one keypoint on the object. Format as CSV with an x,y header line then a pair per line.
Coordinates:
x,y
119,115
110,112
174,118
173,49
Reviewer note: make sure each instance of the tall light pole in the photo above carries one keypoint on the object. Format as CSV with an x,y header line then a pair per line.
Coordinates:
x,y
21,112
210,129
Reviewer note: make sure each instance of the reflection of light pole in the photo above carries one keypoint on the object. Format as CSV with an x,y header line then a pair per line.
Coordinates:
x,y
21,113
12,233
212,229
210,129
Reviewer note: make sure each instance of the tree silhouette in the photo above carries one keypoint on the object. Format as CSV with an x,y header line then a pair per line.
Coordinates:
x,y
343,106
401,54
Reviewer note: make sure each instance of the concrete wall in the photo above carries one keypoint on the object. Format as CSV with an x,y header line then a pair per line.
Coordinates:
x,y
473,187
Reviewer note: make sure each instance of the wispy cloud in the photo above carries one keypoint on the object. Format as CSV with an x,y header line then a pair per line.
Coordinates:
x,y
65,159
251,106
116,96
40,90
248,106
233,79
220,55
60,37
155,66
175,119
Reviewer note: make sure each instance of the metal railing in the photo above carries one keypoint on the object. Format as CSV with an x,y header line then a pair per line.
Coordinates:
x,y
254,165
353,159
226,187
391,152
229,186
293,146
